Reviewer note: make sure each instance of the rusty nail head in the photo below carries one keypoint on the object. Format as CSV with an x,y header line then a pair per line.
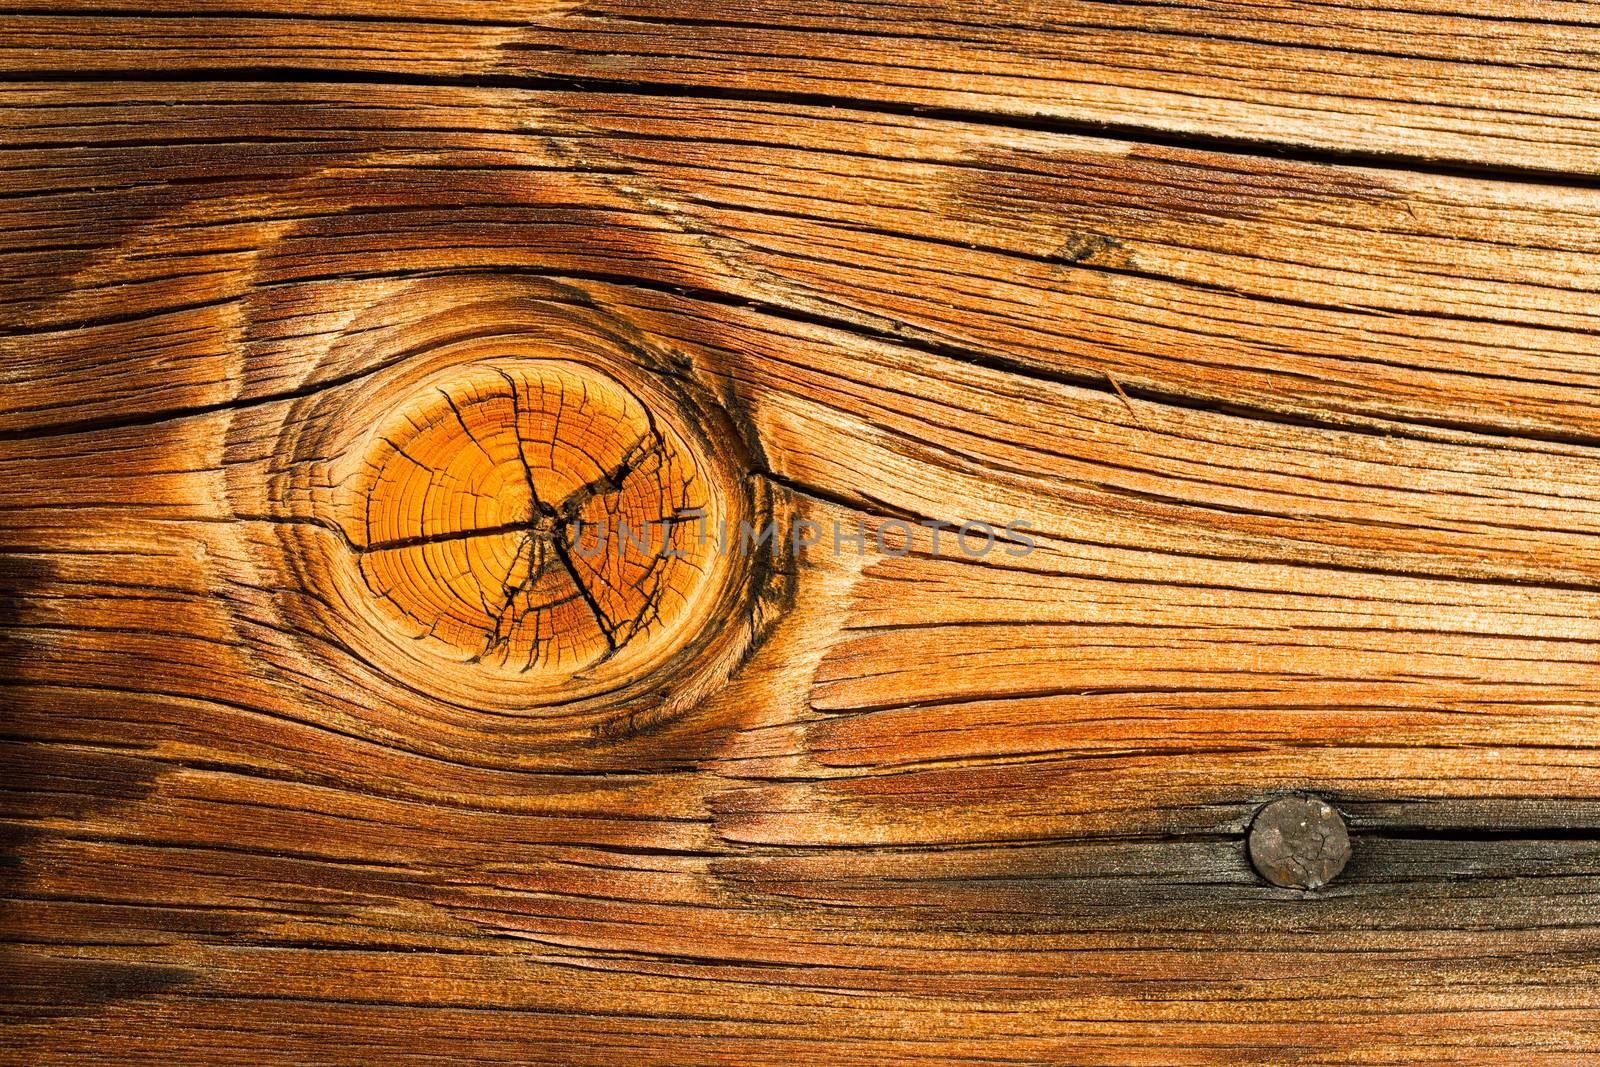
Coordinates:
x,y
1299,842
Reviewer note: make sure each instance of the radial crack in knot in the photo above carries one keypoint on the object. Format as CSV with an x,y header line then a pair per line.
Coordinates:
x,y
476,493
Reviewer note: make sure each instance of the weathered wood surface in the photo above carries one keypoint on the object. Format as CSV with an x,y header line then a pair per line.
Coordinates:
x,y
1466,82
1277,323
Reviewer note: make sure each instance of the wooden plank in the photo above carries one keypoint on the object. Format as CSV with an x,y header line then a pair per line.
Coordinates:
x,y
1462,83
1305,453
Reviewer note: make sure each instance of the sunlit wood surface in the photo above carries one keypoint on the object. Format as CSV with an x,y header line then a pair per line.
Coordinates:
x,y
1264,337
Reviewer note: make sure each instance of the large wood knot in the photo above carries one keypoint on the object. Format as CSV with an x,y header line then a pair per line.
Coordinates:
x,y
534,514
515,502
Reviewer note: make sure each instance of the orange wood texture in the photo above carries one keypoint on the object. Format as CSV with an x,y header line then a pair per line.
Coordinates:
x,y
1264,336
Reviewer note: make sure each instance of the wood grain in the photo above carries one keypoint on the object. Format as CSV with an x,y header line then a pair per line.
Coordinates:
x,y
1464,83
321,324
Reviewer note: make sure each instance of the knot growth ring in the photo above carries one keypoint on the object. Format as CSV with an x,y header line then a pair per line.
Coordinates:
x,y
514,503
534,515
